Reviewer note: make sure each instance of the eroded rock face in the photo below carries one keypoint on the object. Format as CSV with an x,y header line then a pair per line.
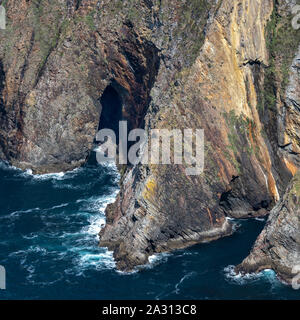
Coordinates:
x,y
173,65
57,60
289,118
161,208
278,246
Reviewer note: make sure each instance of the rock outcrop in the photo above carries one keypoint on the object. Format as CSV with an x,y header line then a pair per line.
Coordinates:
x,y
58,58
223,91
222,66
278,246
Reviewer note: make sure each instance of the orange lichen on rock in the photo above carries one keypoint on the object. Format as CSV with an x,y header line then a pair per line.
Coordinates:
x,y
150,190
291,166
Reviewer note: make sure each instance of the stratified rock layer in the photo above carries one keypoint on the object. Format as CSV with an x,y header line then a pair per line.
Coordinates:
x,y
222,66
278,246
161,208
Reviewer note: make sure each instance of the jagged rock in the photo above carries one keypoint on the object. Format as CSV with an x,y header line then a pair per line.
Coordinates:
x,y
219,92
172,64
278,246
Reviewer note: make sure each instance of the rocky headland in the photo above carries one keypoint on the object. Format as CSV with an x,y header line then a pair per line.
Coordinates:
x,y
228,67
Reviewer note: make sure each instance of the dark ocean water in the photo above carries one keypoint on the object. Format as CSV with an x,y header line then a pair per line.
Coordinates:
x,y
48,245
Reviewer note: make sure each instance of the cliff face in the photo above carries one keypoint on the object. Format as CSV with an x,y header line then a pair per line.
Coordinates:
x,y
278,246
58,57
223,66
224,91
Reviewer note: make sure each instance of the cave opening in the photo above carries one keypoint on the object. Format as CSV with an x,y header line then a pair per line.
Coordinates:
x,y
127,98
111,112
110,116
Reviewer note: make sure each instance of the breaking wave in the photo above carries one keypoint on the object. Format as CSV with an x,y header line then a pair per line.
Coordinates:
x,y
49,227
244,279
64,235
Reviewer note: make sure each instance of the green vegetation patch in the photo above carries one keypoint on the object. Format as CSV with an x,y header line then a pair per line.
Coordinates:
x,y
282,43
296,184
238,136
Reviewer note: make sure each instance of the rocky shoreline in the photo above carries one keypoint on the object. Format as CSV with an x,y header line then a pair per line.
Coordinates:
x,y
228,67
278,246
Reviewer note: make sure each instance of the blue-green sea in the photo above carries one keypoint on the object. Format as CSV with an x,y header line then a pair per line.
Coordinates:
x,y
49,227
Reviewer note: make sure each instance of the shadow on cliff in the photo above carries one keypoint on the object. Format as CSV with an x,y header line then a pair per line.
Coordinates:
x,y
111,112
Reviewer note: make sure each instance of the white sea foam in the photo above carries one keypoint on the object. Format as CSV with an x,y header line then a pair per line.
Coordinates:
x,y
16,213
157,259
5,166
58,206
98,205
82,244
97,260
37,249
28,172
186,276
238,278
96,224
231,219
260,219
235,223
243,279
30,236
93,257
46,176
153,261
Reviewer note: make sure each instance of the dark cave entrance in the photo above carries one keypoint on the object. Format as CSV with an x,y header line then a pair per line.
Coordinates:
x,y
111,110
111,114
127,98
